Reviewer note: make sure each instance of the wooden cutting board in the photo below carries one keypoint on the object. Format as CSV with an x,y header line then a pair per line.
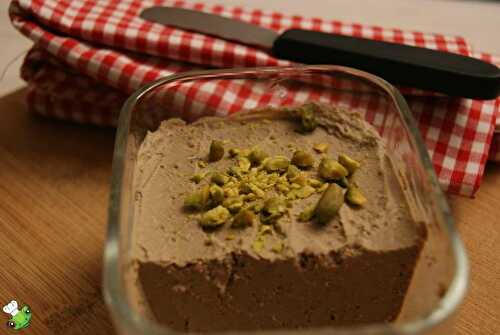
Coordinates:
x,y
53,199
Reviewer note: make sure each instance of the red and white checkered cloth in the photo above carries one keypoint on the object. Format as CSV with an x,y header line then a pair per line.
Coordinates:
x,y
89,55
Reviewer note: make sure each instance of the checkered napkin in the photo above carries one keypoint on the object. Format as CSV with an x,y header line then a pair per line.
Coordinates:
x,y
89,55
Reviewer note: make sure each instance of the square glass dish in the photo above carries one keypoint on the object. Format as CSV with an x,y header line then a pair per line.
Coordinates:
x,y
440,279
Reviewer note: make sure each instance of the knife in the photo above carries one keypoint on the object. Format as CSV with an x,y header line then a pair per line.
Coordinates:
x,y
427,69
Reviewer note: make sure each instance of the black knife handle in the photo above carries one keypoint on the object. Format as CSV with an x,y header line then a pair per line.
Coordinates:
x,y
404,65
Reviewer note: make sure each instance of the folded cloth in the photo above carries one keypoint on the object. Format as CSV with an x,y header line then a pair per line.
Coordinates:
x,y
89,55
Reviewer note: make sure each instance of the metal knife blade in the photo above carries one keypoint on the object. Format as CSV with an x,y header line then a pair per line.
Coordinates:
x,y
209,24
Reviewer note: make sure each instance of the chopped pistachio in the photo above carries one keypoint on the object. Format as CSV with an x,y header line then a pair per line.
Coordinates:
x,y
282,188
244,164
314,182
219,178
198,199
295,186
329,203
245,188
202,164
216,194
292,171
198,177
302,159
277,247
233,152
276,164
330,169
350,164
255,206
307,214
215,217
256,156
355,197
216,151
273,209
231,191
300,179
230,237
257,191
243,219
258,244
307,118
249,197
233,204
321,147
305,191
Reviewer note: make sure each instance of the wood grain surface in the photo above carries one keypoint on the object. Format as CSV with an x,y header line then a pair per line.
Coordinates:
x,y
54,180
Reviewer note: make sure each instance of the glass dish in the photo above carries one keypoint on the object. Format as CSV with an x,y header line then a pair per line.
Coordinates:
x,y
440,279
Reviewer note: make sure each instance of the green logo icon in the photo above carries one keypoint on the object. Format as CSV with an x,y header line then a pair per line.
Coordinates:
x,y
19,318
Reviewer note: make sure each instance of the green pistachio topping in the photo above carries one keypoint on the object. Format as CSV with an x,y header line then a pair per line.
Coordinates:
x,y
273,209
216,151
302,159
350,164
329,204
331,170
257,156
198,199
215,217
219,178
355,197
276,164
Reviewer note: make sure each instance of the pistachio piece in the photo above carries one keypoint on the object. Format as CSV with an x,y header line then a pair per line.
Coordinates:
x,y
307,214
243,219
256,156
258,244
202,164
329,204
300,179
219,178
302,159
314,182
307,118
233,152
277,164
321,147
233,204
215,217
245,188
273,209
256,206
231,191
305,191
331,170
244,164
277,247
198,177
216,194
198,199
292,172
216,151
350,164
355,197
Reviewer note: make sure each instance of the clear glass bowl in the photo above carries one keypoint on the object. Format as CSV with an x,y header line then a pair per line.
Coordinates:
x,y
440,279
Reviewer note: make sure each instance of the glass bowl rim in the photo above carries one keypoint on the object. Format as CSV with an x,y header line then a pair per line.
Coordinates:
x,y
113,290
